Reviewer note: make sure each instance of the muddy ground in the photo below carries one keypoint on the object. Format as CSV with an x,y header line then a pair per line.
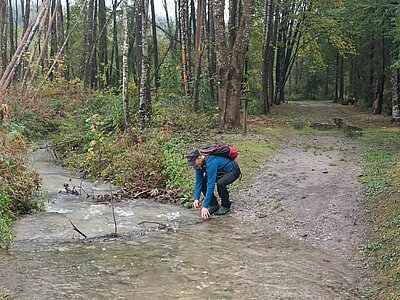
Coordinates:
x,y
310,188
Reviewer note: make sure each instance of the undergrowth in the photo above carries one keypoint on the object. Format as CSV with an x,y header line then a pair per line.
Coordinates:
x,y
18,184
93,141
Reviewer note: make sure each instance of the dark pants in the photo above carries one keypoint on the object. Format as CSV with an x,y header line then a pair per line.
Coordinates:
x,y
222,182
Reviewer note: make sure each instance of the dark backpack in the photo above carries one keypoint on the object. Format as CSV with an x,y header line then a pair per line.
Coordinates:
x,y
221,149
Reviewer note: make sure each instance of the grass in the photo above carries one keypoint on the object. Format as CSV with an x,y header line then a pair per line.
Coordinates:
x,y
381,182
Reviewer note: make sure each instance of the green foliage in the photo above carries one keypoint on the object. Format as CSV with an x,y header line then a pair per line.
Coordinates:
x,y
97,116
170,80
5,220
178,118
18,184
175,169
29,123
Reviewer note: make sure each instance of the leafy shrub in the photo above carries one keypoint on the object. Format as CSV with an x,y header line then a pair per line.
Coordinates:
x,y
175,169
18,184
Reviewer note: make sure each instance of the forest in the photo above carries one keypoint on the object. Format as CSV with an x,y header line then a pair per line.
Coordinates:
x,y
123,89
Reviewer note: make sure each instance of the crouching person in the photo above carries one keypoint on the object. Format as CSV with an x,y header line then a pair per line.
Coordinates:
x,y
211,170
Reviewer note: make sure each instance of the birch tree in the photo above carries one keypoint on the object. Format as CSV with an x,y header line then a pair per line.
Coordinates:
x,y
144,95
125,54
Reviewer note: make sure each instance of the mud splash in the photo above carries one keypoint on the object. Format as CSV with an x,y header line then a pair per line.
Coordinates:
x,y
187,259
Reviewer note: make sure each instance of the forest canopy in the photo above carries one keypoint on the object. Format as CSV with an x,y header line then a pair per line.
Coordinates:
x,y
204,54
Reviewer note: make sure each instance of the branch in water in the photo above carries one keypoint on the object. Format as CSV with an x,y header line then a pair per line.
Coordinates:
x,y
76,229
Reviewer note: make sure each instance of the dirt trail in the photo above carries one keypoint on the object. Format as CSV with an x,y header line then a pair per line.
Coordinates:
x,y
310,190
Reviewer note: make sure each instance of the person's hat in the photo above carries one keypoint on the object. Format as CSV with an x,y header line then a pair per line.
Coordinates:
x,y
192,156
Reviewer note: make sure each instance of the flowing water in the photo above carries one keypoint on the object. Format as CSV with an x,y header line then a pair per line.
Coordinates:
x,y
161,252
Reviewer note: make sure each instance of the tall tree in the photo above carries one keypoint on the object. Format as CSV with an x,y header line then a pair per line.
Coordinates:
x,y
230,71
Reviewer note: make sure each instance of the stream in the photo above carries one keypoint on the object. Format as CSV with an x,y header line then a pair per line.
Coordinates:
x,y
161,252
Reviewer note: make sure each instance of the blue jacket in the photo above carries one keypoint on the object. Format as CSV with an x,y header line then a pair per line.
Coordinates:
x,y
214,165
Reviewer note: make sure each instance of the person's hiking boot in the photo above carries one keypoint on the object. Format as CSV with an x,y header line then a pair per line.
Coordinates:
x,y
222,211
213,209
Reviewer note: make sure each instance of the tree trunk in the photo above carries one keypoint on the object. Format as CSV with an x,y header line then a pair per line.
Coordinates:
x,y
341,79
46,39
26,15
11,29
381,81
114,75
31,71
237,65
23,46
125,55
103,55
184,19
230,72
395,81
55,60
155,45
279,56
32,55
264,100
222,60
139,38
16,10
3,34
233,21
166,15
68,25
274,42
87,67
197,57
337,79
211,59
144,95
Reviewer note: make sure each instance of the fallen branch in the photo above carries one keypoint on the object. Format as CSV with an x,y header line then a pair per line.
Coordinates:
x,y
76,229
141,193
